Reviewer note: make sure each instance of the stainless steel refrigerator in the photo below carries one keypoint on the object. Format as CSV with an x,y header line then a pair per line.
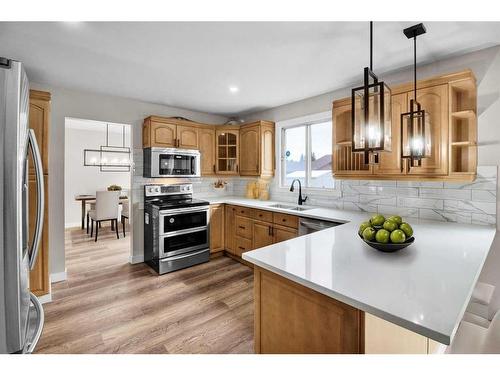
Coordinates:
x,y
21,314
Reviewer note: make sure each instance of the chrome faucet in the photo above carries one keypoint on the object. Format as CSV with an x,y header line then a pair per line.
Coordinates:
x,y
300,200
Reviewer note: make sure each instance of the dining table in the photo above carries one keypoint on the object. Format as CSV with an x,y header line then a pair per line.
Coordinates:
x,y
89,198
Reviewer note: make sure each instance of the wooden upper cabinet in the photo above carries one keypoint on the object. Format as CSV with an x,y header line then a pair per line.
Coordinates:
x,y
250,150
227,151
434,100
257,149
159,134
187,137
206,145
450,102
390,163
345,162
39,118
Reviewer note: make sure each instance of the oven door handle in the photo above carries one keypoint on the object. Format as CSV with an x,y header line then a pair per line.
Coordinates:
x,y
187,255
184,231
183,210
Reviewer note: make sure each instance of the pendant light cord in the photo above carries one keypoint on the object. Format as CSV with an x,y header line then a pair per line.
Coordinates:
x,y
415,66
371,46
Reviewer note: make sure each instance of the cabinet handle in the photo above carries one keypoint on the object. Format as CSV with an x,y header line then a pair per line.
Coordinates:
x,y
241,248
272,231
214,168
268,231
257,167
241,227
237,168
283,220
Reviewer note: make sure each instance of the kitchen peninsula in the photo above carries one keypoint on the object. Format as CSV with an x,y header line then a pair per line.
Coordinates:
x,y
328,292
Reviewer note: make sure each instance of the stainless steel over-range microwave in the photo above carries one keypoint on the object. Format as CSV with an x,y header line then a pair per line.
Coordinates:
x,y
171,162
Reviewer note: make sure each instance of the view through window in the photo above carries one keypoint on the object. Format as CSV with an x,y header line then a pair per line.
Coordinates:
x,y
307,155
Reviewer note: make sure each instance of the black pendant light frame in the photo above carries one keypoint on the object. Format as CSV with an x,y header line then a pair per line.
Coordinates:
x,y
416,111
379,87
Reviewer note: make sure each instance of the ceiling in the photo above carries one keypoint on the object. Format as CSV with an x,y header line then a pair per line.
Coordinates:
x,y
193,64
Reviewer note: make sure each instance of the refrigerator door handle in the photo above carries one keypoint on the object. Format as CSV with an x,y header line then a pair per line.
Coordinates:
x,y
40,319
40,201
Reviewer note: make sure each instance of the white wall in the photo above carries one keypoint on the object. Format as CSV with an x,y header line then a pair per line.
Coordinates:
x,y
85,105
80,179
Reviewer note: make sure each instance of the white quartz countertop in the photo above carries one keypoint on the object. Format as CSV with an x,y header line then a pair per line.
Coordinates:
x,y
424,287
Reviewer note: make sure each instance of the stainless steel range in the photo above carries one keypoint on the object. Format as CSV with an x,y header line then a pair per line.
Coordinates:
x,y
176,227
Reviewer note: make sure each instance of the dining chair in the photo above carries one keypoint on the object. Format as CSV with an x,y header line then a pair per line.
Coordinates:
x,y
125,214
106,209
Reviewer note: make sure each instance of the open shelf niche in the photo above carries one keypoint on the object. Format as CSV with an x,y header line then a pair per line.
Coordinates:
x,y
463,129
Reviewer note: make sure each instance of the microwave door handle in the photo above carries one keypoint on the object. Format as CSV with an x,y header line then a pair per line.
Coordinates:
x,y
40,201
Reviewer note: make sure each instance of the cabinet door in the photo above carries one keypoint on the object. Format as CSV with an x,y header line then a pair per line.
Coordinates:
x,y
283,234
206,140
39,275
227,152
216,228
250,150
39,120
434,100
187,137
262,234
229,230
346,162
163,135
390,163
267,151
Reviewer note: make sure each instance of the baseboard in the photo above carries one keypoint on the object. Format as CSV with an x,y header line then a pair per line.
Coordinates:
x,y
134,259
77,224
46,298
58,276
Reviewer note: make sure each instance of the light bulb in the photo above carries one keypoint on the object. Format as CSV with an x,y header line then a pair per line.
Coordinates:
x,y
417,146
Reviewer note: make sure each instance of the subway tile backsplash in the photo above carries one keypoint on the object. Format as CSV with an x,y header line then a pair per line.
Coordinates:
x,y
471,203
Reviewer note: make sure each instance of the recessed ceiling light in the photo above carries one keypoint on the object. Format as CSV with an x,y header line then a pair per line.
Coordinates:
x,y
233,89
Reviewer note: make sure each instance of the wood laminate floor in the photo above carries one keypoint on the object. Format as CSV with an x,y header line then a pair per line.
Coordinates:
x,y
107,305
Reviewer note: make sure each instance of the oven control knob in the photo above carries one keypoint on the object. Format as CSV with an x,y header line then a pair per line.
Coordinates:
x,y
171,220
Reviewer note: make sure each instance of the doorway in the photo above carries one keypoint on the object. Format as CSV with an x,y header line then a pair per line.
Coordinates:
x,y
98,157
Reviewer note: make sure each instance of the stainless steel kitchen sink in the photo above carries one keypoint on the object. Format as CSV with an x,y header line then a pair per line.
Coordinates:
x,y
289,207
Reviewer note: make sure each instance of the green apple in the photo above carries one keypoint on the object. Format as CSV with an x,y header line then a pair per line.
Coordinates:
x,y
369,234
397,219
377,220
382,236
363,226
405,227
398,236
390,225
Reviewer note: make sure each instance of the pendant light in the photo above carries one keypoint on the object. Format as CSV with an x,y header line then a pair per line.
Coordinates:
x,y
371,114
415,124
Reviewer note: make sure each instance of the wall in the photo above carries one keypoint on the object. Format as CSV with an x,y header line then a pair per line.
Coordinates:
x,y
80,179
84,105
486,66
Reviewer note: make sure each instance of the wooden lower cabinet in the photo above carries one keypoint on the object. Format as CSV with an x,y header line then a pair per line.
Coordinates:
x,y
290,318
284,234
262,234
216,228
229,229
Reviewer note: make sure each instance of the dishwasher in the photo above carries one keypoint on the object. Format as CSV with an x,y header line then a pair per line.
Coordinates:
x,y
307,226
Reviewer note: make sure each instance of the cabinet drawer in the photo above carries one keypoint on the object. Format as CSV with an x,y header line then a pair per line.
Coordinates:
x,y
263,215
244,211
242,245
291,221
244,227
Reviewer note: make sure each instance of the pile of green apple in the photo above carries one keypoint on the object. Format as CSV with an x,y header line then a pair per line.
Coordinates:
x,y
382,230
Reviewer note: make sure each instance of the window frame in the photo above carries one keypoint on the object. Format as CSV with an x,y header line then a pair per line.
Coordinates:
x,y
306,121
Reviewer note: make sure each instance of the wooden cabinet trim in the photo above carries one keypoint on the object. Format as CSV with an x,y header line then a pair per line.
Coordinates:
x,y
286,220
